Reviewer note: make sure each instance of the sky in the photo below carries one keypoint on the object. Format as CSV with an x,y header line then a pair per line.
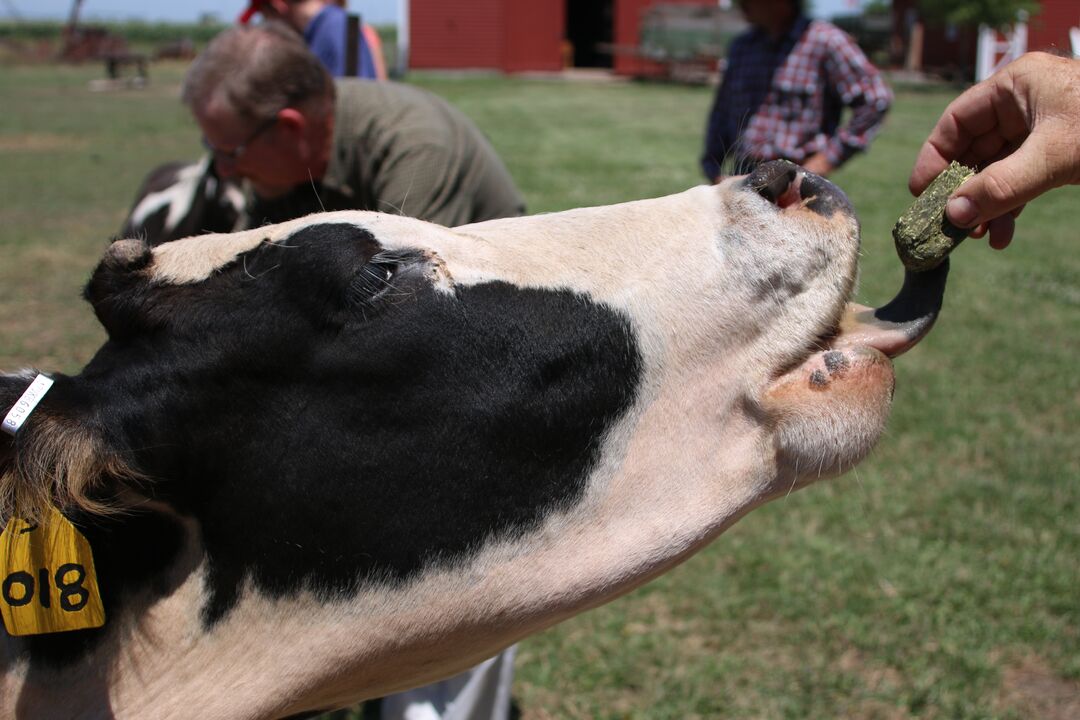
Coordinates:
x,y
373,11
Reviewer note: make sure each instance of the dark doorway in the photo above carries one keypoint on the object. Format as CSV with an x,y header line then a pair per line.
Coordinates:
x,y
590,27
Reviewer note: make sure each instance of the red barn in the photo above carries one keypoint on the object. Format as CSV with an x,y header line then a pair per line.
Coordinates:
x,y
954,49
1048,29
531,35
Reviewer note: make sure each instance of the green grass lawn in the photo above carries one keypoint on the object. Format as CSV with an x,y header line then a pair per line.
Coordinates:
x,y
939,580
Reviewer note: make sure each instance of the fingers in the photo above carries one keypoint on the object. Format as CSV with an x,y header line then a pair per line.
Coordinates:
x,y
818,164
1004,186
988,127
929,164
965,120
1001,231
982,123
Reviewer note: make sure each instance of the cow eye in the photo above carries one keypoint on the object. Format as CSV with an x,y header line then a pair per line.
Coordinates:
x,y
384,276
374,281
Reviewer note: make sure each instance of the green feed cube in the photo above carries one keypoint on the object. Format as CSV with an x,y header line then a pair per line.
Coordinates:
x,y
923,236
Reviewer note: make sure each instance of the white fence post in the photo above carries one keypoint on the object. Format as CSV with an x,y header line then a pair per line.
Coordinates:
x,y
993,53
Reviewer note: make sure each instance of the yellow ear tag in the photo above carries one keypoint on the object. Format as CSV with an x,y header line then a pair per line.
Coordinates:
x,y
47,579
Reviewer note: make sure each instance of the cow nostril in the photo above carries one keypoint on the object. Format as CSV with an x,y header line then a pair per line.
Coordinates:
x,y
821,196
777,186
776,182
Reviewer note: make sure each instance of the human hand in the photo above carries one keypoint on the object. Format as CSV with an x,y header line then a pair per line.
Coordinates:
x,y
818,164
1021,126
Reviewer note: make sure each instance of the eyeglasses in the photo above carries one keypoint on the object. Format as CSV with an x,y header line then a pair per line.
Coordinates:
x,y
238,152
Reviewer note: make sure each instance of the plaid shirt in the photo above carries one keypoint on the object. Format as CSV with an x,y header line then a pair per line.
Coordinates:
x,y
784,98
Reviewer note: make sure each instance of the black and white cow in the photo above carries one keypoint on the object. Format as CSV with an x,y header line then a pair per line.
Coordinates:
x,y
330,459
178,200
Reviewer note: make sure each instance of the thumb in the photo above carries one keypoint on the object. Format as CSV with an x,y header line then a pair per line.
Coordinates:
x,y
1007,184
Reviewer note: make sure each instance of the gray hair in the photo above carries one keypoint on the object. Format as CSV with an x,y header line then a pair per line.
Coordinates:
x,y
258,71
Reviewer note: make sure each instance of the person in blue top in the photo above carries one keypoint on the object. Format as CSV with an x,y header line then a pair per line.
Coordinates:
x,y
323,25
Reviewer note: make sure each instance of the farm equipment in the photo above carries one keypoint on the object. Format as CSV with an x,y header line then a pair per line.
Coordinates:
x,y
82,43
689,42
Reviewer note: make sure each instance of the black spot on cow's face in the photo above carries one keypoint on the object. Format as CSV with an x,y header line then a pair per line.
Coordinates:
x,y
331,419
129,302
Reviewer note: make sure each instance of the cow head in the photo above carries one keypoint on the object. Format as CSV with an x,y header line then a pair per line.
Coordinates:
x,y
357,400
177,200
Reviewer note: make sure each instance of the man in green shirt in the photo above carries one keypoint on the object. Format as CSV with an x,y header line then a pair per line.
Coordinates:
x,y
271,114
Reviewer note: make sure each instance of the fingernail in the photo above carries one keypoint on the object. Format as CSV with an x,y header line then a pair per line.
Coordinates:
x,y
961,212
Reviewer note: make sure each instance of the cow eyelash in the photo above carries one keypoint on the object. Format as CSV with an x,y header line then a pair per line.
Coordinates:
x,y
374,281
377,279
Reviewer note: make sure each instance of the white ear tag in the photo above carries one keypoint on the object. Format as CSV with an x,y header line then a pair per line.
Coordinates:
x,y
26,404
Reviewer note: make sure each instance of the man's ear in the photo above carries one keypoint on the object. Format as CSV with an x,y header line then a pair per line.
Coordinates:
x,y
293,121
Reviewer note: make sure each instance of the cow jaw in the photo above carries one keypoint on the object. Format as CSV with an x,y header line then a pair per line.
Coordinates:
x,y
828,404
830,410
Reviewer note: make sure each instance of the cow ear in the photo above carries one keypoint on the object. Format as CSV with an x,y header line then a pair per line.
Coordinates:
x,y
57,457
111,287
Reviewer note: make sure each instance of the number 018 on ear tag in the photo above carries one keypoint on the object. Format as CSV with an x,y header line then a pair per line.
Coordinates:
x,y
47,580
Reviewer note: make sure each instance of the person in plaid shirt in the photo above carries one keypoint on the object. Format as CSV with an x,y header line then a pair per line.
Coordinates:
x,y
787,81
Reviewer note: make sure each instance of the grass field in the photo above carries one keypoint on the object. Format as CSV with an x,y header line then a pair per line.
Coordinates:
x,y
941,580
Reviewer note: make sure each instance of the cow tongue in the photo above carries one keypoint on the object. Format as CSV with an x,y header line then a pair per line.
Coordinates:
x,y
896,327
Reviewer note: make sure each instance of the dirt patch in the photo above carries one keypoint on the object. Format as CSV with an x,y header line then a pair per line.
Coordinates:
x,y
876,679
39,142
1032,689
874,676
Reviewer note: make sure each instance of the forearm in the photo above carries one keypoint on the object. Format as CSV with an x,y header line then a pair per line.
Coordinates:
x,y
865,122
858,86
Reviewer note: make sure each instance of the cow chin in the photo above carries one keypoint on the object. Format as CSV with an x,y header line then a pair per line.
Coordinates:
x,y
828,413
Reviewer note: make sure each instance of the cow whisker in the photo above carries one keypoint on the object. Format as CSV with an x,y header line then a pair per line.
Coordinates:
x,y
264,272
315,189
794,480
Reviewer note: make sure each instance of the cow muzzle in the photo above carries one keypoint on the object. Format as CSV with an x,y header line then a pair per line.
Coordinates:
x,y
891,329
829,410
830,406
